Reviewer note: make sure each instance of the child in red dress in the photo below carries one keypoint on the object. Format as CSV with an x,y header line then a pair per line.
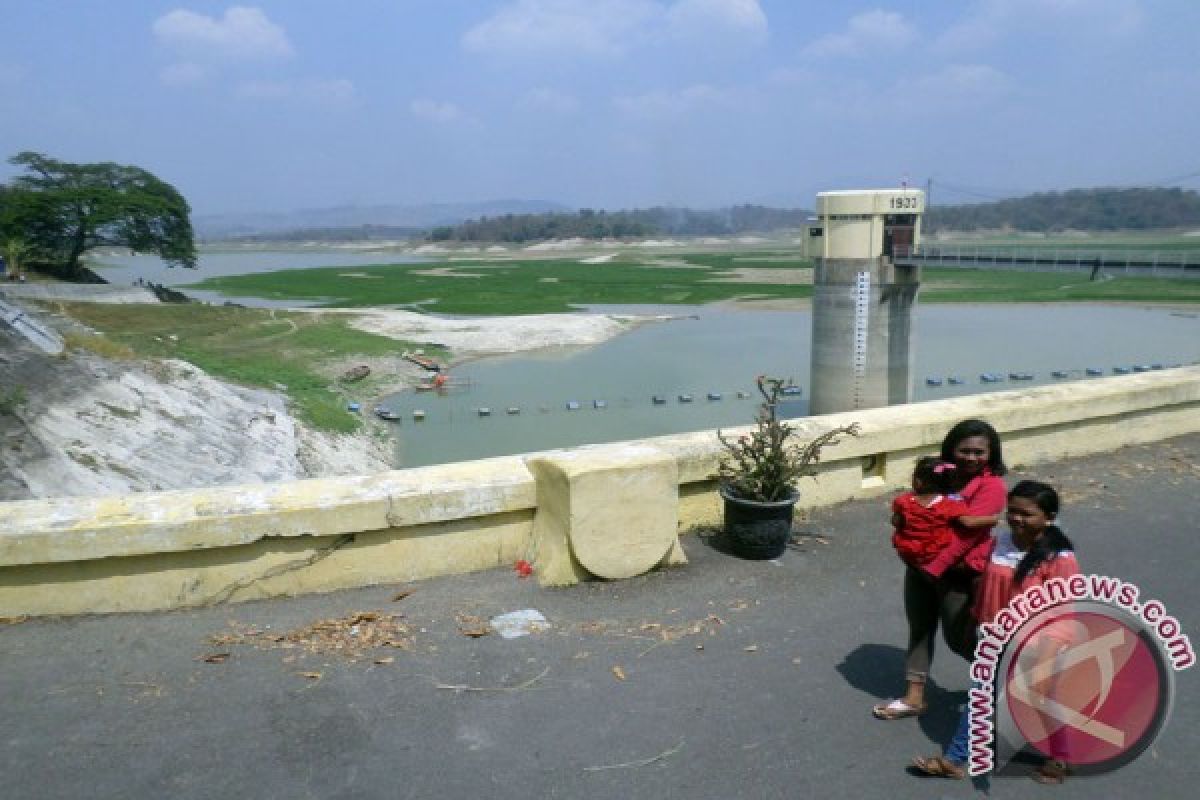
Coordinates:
x,y
922,518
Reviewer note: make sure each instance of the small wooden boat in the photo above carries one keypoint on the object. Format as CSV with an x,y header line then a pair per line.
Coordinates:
x,y
386,413
1120,370
714,395
685,398
485,411
1060,373
1020,376
418,414
572,405
991,377
658,400
1093,371
512,411
791,390
421,360
933,381
954,380
599,403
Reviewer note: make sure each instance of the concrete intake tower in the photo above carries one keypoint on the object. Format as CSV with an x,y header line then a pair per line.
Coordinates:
x,y
862,302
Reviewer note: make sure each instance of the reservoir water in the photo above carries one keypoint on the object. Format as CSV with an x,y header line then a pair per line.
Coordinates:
x,y
125,270
721,351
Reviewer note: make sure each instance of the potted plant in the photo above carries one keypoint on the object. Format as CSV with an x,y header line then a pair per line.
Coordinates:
x,y
758,475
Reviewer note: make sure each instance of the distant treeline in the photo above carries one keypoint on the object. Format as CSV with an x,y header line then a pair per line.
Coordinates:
x,y
591,224
1075,209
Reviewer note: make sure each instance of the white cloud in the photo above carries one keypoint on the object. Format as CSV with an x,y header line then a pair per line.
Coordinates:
x,y
589,27
242,34
958,82
436,111
184,73
720,17
551,100
989,21
608,28
660,104
330,93
872,31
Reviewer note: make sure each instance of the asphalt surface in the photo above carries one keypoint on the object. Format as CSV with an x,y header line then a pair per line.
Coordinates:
x,y
721,679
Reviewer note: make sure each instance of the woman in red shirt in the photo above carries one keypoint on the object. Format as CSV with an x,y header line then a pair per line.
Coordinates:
x,y
942,589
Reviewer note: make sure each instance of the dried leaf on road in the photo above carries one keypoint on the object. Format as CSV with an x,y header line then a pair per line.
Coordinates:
x,y
619,673
400,595
352,636
472,626
215,658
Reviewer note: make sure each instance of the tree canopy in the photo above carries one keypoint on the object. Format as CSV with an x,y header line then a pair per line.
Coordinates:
x,y
1078,209
61,210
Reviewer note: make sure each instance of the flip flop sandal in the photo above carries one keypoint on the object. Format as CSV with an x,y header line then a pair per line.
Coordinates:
x,y
939,767
897,709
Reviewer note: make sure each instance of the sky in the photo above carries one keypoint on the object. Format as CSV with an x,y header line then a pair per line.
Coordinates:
x,y
279,105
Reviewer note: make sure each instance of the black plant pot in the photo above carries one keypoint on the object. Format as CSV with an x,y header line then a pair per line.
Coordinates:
x,y
757,530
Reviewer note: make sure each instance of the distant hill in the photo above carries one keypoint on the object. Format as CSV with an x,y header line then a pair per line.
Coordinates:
x,y
407,218
1074,209
591,224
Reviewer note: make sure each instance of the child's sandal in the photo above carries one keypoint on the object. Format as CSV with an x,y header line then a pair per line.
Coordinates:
x,y
939,767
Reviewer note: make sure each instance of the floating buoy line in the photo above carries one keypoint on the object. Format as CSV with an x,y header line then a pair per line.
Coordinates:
x,y
442,385
1058,374
446,385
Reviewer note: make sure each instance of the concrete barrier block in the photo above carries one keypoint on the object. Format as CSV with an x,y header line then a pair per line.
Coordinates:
x,y
611,511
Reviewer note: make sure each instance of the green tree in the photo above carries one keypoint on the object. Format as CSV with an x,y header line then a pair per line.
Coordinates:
x,y
62,210
14,249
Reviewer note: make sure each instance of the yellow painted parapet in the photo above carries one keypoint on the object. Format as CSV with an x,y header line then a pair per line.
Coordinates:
x,y
609,511
185,548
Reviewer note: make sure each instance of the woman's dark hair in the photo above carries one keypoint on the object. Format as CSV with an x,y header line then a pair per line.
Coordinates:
x,y
976,427
933,472
1052,540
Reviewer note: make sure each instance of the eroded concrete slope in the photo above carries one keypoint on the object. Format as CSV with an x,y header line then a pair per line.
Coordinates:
x,y
88,426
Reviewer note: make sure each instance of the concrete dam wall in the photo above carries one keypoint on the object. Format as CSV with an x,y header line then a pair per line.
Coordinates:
x,y
605,511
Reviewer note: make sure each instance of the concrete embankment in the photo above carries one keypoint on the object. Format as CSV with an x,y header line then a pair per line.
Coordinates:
x,y
196,547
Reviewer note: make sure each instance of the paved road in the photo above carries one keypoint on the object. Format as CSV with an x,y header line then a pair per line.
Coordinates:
x,y
603,705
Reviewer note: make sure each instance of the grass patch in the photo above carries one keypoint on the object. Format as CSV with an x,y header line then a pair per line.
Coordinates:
x,y
948,285
534,286
98,344
12,399
251,346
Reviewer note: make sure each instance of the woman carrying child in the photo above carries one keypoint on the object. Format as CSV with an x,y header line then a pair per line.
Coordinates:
x,y
941,587
1033,551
